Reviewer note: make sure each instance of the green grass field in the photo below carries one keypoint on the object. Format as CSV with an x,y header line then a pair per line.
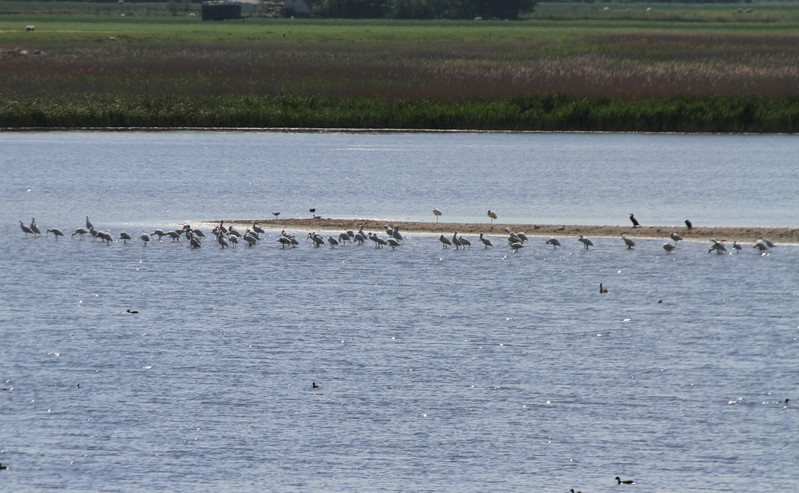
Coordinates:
x,y
82,55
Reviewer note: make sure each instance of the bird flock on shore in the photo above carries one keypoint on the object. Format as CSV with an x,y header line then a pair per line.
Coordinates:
x,y
229,236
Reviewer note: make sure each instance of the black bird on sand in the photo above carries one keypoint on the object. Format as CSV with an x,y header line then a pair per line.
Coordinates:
x,y
634,221
688,224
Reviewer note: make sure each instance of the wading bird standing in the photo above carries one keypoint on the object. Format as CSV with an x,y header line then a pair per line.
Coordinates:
x,y
436,212
25,229
627,241
554,242
491,214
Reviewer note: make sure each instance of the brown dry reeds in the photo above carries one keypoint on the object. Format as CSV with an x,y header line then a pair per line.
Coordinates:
x,y
629,65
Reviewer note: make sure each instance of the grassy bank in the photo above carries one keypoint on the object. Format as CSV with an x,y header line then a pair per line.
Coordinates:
x,y
700,72
544,113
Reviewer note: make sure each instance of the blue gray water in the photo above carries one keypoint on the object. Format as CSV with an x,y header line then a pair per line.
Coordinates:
x,y
438,370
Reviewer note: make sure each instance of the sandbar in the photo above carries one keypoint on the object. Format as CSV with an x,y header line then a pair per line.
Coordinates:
x,y
697,233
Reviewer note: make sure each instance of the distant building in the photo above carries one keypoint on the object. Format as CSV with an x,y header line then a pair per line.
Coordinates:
x,y
296,8
234,9
218,11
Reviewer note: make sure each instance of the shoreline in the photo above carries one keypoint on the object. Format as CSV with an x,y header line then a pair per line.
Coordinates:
x,y
697,233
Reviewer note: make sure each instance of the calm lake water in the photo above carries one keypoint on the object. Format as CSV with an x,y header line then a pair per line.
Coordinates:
x,y
438,370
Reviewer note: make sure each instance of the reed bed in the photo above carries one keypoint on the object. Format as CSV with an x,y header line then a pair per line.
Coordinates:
x,y
629,80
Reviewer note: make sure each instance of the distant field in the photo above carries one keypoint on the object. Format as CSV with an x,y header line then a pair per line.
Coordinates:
x,y
577,52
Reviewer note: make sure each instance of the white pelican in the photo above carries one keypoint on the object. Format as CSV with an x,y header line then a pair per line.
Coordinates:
x,y
676,237
491,214
25,229
145,238
585,241
669,247
437,212
486,241
554,242
627,241
444,241
634,221
56,232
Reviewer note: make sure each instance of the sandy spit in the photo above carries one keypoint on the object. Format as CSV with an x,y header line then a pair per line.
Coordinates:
x,y
736,233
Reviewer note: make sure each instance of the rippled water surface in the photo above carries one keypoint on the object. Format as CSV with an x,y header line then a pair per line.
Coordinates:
x,y
438,370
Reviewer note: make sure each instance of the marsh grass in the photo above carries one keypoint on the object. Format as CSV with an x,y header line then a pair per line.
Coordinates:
x,y
398,75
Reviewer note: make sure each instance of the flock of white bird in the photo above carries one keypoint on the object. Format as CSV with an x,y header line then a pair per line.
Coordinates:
x,y
229,236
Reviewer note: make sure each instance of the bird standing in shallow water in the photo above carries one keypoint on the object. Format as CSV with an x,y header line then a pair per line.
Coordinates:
x,y
585,241
627,241
554,242
25,229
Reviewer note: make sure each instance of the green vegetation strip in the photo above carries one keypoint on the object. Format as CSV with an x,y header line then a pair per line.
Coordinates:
x,y
533,113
